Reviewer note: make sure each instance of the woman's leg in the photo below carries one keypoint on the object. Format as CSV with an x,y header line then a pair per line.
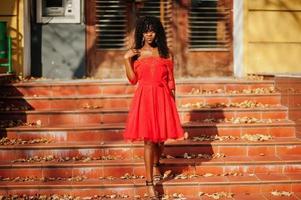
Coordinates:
x,y
149,151
149,148
159,147
159,151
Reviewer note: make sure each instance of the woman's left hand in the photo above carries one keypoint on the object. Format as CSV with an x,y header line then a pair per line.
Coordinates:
x,y
173,93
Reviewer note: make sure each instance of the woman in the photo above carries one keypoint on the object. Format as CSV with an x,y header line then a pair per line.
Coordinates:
x,y
153,115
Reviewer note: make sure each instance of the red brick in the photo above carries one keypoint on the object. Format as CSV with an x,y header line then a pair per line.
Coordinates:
x,y
57,172
279,186
212,169
258,150
82,136
268,169
288,150
254,131
90,118
213,100
237,87
89,90
274,115
109,90
63,104
64,118
282,131
114,118
233,151
89,172
117,171
292,169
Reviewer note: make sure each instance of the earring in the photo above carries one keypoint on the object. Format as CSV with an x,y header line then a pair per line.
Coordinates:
x,y
142,41
156,41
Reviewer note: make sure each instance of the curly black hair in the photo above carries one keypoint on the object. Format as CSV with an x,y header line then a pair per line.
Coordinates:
x,y
151,23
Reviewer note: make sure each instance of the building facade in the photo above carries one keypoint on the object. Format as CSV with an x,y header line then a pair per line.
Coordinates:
x,y
208,38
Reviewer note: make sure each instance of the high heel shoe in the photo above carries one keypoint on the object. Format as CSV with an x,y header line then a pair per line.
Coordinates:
x,y
157,177
152,193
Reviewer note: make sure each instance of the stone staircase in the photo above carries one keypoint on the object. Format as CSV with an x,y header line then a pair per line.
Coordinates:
x,y
65,138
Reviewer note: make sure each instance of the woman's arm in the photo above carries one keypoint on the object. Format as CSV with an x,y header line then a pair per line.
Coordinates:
x,y
132,77
171,79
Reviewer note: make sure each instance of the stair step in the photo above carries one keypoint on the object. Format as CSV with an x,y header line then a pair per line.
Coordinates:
x,y
199,181
277,147
117,169
170,143
95,87
192,189
75,128
113,131
123,101
120,115
7,78
88,193
131,152
96,169
131,163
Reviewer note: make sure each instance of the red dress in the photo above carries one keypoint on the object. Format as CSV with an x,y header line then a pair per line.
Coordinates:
x,y
153,113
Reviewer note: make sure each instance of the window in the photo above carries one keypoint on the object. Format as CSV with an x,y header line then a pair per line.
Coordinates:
x,y
112,20
209,25
110,24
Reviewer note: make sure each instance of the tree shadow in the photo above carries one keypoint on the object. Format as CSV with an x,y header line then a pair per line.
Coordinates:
x,y
285,8
13,110
194,163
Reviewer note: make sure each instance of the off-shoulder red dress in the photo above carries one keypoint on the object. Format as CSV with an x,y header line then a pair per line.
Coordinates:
x,y
153,114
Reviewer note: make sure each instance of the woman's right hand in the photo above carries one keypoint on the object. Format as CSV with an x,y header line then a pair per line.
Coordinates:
x,y
132,52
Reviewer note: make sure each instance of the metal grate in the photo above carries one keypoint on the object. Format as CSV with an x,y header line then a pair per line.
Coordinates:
x,y
209,25
110,24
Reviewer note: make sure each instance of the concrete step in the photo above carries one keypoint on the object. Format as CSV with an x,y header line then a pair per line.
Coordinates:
x,y
123,195
7,78
178,163
96,169
122,150
114,131
54,117
263,184
123,101
53,88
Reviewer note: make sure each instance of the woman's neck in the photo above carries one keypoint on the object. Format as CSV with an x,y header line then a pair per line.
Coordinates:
x,y
148,46
148,50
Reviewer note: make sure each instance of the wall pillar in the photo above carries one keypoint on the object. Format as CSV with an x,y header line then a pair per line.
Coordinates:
x,y
26,30
238,48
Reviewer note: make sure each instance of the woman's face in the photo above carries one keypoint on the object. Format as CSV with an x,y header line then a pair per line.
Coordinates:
x,y
149,36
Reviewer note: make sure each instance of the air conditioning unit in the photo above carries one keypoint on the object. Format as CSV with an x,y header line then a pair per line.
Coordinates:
x,y
58,11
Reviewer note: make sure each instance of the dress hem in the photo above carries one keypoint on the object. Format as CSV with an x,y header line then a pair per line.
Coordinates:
x,y
149,139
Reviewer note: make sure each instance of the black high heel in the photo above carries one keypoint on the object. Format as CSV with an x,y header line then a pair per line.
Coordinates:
x,y
156,195
157,177
156,164
149,183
